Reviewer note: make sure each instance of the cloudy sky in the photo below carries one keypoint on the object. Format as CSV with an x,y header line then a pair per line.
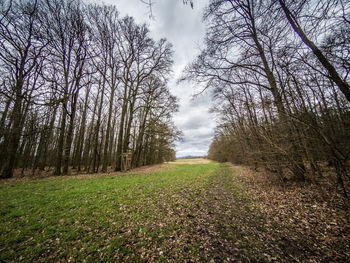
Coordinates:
x,y
183,27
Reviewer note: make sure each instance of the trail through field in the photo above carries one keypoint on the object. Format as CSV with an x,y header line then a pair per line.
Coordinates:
x,y
213,217
187,211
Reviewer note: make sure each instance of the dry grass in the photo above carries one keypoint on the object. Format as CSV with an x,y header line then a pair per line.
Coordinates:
x,y
191,161
48,173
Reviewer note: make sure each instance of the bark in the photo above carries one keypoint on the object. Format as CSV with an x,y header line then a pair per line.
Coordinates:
x,y
82,132
97,129
270,77
15,133
3,133
60,145
88,145
3,118
41,145
129,122
112,143
29,148
69,138
47,139
105,150
121,131
140,138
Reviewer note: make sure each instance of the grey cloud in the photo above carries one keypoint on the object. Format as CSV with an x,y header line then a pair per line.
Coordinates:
x,y
195,121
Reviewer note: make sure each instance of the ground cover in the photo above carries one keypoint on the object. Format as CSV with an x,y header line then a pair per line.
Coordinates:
x,y
104,217
183,212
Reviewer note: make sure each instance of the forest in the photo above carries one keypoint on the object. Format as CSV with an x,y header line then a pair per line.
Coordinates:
x,y
279,74
81,86
88,93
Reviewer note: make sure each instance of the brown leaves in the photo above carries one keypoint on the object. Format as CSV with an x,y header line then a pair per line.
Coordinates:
x,y
301,221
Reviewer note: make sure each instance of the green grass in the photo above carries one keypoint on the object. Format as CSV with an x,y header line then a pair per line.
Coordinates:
x,y
101,218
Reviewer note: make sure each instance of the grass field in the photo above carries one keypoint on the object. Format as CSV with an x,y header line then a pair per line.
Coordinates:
x,y
105,218
185,211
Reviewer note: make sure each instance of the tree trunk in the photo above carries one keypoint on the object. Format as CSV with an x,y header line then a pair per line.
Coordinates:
x,y
3,132
60,145
139,143
87,149
118,164
47,139
333,74
3,118
298,167
42,142
97,129
69,137
15,133
82,132
105,150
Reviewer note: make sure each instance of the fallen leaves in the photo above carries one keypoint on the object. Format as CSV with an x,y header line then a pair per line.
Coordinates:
x,y
305,224
207,213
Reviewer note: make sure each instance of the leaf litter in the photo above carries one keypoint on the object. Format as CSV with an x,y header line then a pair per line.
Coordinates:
x,y
213,213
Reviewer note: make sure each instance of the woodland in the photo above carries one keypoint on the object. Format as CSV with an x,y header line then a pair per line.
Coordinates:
x,y
279,74
80,86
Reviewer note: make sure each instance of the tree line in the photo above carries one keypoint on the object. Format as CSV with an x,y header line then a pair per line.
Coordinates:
x,y
279,73
80,86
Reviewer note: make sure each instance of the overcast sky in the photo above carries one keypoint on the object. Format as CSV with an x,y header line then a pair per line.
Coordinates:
x,y
183,27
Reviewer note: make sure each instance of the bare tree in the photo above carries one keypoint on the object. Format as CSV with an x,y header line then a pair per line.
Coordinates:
x,y
141,57
74,83
67,32
294,22
21,48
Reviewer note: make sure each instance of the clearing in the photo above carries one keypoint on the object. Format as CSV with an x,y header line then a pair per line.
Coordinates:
x,y
189,210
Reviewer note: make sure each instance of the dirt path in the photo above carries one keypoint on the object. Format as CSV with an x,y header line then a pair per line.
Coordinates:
x,y
214,219
233,227
225,221
188,213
